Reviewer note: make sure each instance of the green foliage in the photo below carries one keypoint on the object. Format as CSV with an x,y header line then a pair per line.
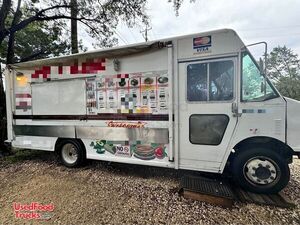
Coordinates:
x,y
41,37
21,156
283,62
289,87
283,67
38,40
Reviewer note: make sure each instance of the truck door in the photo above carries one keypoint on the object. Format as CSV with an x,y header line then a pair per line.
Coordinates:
x,y
207,97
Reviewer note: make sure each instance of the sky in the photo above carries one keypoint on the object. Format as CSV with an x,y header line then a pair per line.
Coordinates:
x,y
275,21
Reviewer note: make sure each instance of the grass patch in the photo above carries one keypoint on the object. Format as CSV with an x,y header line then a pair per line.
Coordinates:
x,y
22,155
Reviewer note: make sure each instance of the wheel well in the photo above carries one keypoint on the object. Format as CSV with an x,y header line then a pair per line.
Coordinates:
x,y
266,142
60,141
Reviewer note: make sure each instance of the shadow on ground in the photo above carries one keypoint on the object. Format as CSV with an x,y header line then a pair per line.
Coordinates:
x,y
25,155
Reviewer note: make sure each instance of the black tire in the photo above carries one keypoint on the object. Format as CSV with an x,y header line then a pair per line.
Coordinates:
x,y
261,178
73,147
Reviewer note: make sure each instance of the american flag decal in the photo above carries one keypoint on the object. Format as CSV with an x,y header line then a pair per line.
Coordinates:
x,y
200,42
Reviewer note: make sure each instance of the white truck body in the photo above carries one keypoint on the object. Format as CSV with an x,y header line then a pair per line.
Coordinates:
x,y
183,102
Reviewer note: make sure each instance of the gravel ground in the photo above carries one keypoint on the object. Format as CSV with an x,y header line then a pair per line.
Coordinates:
x,y
104,193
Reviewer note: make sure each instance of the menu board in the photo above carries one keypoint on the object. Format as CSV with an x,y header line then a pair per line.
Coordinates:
x,y
128,93
91,102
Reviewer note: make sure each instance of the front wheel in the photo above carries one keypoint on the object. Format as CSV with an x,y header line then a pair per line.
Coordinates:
x,y
260,170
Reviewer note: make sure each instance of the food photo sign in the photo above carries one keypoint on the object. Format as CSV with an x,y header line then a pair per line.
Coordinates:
x,y
145,93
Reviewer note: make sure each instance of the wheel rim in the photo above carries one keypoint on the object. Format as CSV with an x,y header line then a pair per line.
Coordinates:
x,y
261,171
69,153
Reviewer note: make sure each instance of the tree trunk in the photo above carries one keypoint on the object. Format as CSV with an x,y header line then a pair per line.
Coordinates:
x,y
11,40
3,131
6,4
9,60
74,36
10,49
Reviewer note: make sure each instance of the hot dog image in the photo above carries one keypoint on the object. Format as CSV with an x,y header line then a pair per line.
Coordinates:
x,y
144,152
149,152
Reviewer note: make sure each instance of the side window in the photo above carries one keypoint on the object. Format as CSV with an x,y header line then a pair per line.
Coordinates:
x,y
213,81
207,129
253,82
221,81
197,82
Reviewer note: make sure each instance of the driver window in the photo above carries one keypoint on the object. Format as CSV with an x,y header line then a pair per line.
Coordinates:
x,y
221,81
253,82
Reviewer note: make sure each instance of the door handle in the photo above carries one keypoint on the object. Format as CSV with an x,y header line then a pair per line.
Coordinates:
x,y
235,110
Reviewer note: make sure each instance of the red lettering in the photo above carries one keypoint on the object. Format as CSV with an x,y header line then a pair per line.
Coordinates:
x,y
31,215
16,206
126,125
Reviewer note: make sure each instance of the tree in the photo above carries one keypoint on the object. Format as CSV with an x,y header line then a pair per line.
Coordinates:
x,y
283,67
100,18
35,41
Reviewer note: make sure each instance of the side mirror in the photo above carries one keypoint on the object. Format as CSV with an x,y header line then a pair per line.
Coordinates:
x,y
263,84
261,66
262,87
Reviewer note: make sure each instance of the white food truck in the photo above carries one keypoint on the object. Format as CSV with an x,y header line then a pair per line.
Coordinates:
x,y
196,102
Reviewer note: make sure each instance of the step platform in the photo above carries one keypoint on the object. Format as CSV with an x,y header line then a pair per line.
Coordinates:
x,y
221,193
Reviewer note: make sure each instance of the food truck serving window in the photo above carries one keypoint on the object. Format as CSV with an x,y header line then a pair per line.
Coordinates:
x,y
253,82
210,81
59,98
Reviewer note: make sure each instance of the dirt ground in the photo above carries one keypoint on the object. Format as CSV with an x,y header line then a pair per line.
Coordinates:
x,y
104,193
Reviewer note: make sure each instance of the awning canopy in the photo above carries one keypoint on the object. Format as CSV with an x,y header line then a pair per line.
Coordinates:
x,y
104,53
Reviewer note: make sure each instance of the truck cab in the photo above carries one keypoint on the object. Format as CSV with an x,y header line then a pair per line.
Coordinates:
x,y
231,116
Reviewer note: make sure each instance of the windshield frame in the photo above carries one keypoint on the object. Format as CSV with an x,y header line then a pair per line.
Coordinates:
x,y
276,93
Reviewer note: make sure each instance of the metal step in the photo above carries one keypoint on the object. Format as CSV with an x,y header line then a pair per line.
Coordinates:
x,y
220,192
207,190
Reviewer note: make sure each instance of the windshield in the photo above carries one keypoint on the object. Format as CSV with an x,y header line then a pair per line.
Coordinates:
x,y
253,84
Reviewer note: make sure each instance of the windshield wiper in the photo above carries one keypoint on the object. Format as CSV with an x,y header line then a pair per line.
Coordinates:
x,y
270,97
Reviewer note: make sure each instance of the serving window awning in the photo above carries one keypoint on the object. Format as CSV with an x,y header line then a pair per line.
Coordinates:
x,y
105,53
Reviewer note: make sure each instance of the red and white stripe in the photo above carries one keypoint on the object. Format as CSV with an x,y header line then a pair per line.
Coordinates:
x,y
23,101
94,66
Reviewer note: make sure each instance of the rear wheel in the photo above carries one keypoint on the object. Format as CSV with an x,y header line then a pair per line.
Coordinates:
x,y
71,153
260,170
